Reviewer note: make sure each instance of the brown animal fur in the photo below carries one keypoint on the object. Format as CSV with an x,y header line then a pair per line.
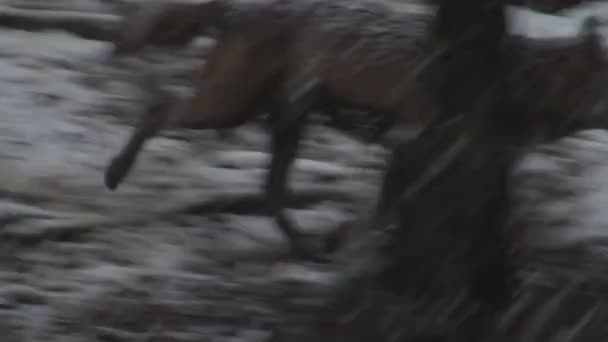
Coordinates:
x,y
335,42
287,58
329,53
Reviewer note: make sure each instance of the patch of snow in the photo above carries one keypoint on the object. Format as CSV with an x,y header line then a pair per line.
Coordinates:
x,y
570,208
539,25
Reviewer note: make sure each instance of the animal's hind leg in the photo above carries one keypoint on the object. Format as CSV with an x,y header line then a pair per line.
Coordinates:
x,y
285,141
288,126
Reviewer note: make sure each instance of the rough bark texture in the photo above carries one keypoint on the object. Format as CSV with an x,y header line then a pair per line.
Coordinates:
x,y
448,247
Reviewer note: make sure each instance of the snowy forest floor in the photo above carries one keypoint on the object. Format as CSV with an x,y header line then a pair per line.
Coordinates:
x,y
183,250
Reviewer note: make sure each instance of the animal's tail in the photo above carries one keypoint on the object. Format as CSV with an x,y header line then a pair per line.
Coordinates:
x,y
161,22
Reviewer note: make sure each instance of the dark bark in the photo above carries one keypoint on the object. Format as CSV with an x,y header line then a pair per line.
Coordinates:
x,y
450,192
450,233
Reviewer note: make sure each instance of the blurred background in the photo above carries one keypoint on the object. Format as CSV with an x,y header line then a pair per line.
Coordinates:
x,y
184,251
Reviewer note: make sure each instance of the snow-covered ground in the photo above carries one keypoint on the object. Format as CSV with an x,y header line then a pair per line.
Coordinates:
x,y
75,252
170,256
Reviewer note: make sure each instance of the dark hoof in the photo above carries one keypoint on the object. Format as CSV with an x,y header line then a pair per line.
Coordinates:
x,y
335,239
309,248
338,237
115,173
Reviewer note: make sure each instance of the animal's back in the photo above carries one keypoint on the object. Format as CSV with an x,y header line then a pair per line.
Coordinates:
x,y
368,54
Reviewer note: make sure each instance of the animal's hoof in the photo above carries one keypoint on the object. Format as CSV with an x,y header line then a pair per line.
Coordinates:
x,y
309,248
335,239
115,173
332,242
